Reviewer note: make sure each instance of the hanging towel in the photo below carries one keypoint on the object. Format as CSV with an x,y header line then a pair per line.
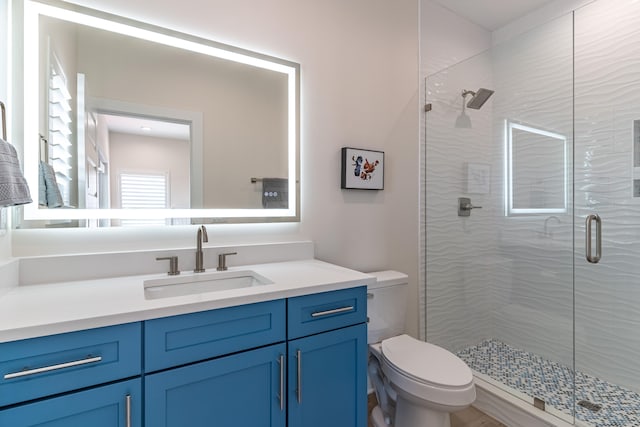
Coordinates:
x,y
49,192
13,187
275,193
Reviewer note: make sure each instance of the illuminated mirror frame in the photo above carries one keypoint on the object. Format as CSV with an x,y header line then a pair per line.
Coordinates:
x,y
510,126
84,16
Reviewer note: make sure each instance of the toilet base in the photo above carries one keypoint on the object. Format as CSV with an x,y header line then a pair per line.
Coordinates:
x,y
410,414
377,418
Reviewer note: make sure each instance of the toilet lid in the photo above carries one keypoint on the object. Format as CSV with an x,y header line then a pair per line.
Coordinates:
x,y
426,363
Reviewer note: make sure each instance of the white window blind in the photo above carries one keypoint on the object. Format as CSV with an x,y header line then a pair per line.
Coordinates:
x,y
143,191
60,144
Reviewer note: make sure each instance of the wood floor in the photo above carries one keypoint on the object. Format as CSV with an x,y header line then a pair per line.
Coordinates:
x,y
469,417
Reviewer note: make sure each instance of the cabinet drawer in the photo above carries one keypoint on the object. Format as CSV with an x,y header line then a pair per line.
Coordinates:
x,y
39,367
178,340
118,404
312,314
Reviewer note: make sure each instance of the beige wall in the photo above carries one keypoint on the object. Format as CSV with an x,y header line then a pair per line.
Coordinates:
x,y
244,108
359,73
145,154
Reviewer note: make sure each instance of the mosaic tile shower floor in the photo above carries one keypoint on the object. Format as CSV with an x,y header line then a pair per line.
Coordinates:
x,y
535,376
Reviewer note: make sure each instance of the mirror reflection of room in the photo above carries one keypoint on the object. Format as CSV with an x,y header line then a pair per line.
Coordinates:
x,y
231,151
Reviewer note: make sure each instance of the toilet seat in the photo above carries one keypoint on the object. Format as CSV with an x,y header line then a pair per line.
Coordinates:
x,y
426,363
427,371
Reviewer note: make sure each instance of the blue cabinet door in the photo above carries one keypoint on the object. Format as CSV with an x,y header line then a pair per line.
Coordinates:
x,y
106,406
327,382
241,390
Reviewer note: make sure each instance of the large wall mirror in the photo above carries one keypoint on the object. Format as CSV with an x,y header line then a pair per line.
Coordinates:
x,y
127,123
536,170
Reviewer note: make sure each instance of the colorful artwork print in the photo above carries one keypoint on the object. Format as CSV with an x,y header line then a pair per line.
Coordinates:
x,y
362,169
365,171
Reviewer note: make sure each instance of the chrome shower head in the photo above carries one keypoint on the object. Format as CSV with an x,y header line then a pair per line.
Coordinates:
x,y
477,98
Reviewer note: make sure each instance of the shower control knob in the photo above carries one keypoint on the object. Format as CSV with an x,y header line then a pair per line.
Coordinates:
x,y
465,206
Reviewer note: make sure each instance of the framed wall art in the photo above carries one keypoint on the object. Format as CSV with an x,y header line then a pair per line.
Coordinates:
x,y
362,169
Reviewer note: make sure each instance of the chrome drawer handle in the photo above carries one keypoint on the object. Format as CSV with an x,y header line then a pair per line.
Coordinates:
x,y
281,395
299,378
334,311
52,367
127,410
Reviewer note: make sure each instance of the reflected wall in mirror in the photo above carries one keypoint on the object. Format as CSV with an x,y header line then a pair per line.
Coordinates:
x,y
137,122
536,163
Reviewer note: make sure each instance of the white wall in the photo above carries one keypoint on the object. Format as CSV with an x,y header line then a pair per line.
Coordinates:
x,y
5,237
359,76
445,40
607,102
146,154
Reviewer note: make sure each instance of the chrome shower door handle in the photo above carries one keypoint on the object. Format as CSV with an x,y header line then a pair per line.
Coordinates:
x,y
593,259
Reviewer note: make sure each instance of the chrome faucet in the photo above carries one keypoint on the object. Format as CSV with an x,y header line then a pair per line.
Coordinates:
x,y
201,237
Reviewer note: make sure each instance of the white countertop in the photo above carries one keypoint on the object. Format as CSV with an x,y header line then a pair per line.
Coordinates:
x,y
29,311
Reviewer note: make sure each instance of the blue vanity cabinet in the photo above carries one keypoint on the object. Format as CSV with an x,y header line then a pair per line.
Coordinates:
x,y
114,405
82,378
327,368
246,389
223,367
188,338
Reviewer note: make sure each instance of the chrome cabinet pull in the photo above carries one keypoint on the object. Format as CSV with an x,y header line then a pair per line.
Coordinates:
x,y
334,311
299,379
127,408
52,367
593,259
281,393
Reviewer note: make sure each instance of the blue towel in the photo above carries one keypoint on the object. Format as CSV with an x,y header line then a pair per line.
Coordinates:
x,y
48,191
13,187
275,193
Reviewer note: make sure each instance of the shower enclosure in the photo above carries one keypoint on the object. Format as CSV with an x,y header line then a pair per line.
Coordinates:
x,y
532,215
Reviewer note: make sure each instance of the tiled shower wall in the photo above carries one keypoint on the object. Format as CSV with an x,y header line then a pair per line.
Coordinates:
x,y
607,102
511,277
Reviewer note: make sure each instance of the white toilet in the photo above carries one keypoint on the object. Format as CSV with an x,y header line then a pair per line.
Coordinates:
x,y
417,384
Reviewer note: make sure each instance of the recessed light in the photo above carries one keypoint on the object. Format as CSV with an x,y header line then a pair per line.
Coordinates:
x,y
145,128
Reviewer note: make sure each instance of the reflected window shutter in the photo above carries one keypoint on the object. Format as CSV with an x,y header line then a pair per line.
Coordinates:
x,y
143,191
60,145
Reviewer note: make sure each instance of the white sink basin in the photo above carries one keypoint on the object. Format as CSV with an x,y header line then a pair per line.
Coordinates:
x,y
199,283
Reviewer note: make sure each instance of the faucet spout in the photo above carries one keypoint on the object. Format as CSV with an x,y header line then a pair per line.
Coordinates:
x,y
200,237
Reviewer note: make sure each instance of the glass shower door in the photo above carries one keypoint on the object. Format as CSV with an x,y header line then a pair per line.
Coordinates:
x,y
499,218
607,177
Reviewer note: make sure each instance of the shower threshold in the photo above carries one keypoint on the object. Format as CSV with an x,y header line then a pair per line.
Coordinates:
x,y
534,378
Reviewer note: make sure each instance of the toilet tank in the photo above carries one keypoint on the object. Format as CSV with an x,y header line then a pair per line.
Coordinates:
x,y
386,305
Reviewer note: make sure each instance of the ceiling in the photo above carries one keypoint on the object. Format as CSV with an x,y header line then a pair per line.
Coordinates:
x,y
147,127
492,14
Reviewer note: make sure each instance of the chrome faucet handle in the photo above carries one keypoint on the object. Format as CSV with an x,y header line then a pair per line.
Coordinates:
x,y
173,264
222,261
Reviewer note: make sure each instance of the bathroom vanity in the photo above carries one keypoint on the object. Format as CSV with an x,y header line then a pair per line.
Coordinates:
x,y
102,352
